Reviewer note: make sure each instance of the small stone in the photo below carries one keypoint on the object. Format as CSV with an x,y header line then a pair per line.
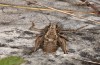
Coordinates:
x,y
51,60
9,40
88,38
86,55
71,50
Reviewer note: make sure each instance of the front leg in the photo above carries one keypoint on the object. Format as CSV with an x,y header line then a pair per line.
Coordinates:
x,y
75,30
34,29
62,44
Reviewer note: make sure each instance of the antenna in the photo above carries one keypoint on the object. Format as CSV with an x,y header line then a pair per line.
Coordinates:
x,y
46,16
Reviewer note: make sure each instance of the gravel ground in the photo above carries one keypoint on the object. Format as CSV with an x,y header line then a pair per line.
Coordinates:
x,y
15,35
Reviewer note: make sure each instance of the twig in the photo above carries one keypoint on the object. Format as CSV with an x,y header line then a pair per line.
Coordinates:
x,y
87,61
23,7
91,5
46,8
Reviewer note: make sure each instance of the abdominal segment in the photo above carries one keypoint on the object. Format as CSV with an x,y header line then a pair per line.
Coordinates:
x,y
50,47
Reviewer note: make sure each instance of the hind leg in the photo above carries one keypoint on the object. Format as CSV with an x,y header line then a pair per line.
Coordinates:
x,y
62,44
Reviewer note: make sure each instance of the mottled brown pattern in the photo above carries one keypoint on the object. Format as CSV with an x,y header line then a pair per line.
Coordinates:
x,y
51,38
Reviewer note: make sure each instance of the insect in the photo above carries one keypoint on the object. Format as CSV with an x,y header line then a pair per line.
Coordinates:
x,y
51,38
